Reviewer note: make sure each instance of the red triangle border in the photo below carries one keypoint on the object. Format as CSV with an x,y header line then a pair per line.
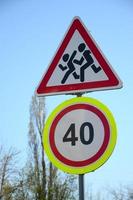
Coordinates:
x,y
112,82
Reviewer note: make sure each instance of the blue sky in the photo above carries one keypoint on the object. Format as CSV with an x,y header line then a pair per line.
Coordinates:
x,y
30,32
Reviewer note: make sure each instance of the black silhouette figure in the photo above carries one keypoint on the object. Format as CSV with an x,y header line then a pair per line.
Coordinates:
x,y
70,66
84,62
89,62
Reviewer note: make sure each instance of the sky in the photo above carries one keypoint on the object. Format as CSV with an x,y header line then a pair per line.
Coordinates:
x,y
30,32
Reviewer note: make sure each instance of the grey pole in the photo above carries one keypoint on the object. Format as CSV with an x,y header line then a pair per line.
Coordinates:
x,y
81,176
81,187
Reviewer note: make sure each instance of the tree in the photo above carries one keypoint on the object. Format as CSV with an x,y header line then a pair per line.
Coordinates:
x,y
8,172
38,179
45,181
121,193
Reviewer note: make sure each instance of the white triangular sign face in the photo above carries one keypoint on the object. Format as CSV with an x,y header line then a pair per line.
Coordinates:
x,y
78,66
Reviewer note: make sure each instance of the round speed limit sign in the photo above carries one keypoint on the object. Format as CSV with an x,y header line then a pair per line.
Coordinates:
x,y
79,135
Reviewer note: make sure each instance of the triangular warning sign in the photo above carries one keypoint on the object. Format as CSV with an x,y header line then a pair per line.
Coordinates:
x,y
78,66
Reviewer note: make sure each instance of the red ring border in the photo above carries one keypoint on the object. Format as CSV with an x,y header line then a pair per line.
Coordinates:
x,y
101,151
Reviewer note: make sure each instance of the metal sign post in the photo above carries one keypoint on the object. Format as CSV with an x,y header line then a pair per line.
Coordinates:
x,y
81,176
81,187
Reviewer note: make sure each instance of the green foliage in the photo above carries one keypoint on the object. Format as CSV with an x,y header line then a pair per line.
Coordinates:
x,y
38,179
46,183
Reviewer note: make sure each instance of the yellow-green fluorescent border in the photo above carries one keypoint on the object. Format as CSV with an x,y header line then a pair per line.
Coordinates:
x,y
106,154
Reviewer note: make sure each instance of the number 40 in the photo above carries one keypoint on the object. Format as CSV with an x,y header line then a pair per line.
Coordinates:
x,y
70,135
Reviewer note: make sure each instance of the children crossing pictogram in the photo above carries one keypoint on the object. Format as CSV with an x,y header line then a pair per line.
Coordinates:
x,y
83,63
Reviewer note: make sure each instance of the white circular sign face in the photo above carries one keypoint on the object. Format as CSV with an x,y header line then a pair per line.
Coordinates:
x,y
78,135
